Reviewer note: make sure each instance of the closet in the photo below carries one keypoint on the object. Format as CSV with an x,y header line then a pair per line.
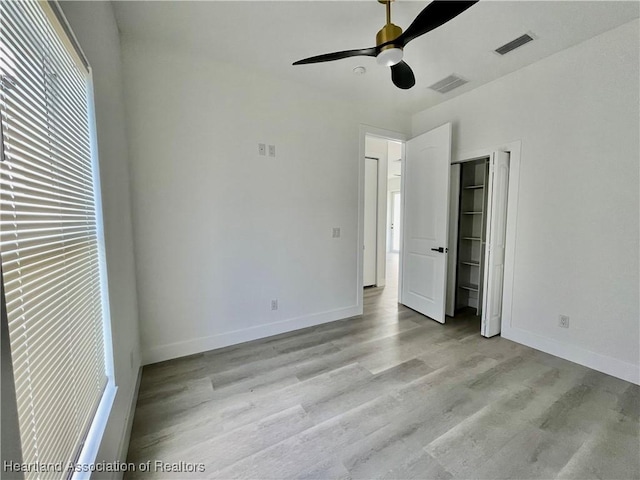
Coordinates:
x,y
472,234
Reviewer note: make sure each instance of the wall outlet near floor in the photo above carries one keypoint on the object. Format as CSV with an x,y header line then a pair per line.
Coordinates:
x,y
272,150
336,232
563,321
274,304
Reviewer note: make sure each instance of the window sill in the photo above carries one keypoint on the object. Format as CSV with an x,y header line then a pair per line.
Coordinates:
x,y
86,461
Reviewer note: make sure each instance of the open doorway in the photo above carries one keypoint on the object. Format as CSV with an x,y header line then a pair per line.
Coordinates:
x,y
394,217
382,205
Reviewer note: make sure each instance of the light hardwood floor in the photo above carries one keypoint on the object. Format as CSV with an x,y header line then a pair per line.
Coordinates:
x,y
390,394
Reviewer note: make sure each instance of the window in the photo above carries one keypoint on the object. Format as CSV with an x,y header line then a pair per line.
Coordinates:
x,y
50,238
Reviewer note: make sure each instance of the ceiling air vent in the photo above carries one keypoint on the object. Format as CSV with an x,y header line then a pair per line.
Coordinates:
x,y
447,84
513,44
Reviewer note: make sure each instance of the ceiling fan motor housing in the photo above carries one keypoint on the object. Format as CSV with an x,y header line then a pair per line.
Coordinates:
x,y
388,33
391,54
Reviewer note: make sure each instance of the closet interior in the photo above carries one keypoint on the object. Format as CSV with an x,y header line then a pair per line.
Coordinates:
x,y
472,228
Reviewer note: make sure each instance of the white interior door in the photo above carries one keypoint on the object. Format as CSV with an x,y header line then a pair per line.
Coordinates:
x,y
496,235
425,190
370,221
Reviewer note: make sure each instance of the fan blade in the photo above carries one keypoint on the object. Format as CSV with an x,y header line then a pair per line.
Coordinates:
x,y
328,57
432,16
402,75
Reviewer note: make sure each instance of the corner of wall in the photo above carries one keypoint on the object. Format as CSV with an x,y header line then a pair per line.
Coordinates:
x,y
574,353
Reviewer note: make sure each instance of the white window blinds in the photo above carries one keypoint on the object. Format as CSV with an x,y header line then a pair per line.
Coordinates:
x,y
49,237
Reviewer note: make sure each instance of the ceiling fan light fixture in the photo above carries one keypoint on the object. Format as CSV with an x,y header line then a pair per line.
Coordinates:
x,y
389,56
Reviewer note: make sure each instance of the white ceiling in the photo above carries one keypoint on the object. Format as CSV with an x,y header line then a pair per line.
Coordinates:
x,y
269,36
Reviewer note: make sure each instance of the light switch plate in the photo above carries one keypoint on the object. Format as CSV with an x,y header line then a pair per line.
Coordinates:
x,y
262,149
272,150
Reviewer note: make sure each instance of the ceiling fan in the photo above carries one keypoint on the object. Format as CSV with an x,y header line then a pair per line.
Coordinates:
x,y
390,40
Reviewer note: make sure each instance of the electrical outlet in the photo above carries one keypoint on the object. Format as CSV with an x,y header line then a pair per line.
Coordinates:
x,y
563,321
274,304
336,232
262,149
272,150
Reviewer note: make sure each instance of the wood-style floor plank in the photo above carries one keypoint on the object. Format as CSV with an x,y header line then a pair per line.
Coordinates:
x,y
390,394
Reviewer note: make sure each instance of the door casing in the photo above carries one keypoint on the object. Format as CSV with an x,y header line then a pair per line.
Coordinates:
x,y
370,243
514,149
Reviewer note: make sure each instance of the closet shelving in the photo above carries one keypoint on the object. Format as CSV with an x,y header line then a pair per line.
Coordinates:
x,y
471,234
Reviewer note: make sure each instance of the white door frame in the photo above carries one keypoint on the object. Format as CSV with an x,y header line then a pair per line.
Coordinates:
x,y
392,207
382,242
514,150
376,209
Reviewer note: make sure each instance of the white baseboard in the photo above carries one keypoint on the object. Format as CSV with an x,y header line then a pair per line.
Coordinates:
x,y
602,363
197,345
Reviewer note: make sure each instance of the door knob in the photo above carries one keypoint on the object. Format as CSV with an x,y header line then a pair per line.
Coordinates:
x,y
440,249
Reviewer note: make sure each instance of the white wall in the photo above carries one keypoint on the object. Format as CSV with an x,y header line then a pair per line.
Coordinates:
x,y
577,245
221,231
394,150
393,184
94,25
